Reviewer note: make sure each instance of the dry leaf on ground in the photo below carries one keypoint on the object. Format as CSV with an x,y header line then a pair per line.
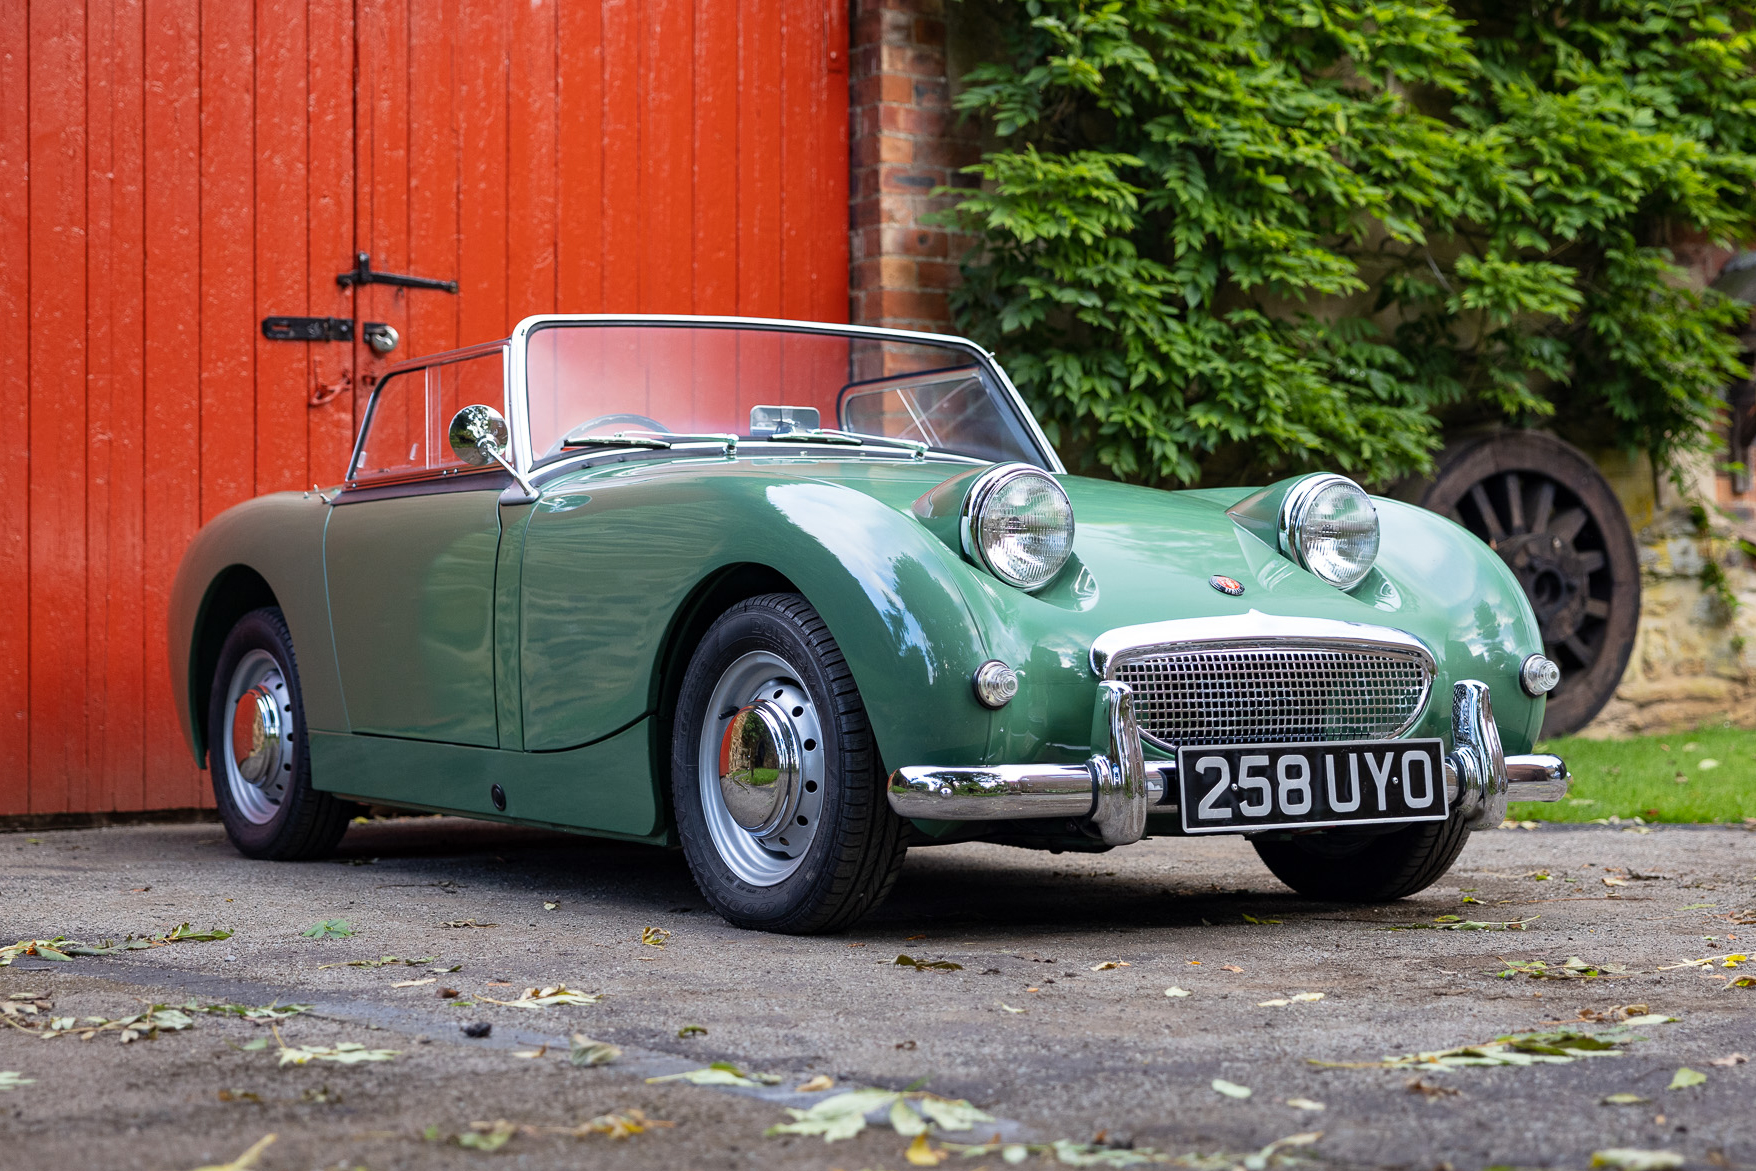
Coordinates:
x,y
720,1073
547,997
1629,1159
654,936
1729,1060
585,1051
816,1085
244,1161
1175,992
1305,1104
1231,1089
1107,965
908,961
11,1079
1686,1077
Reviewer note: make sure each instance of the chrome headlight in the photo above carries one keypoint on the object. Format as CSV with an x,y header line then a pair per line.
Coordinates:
x,y
1329,525
1017,523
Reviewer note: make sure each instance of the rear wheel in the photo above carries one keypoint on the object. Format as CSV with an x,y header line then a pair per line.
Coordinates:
x,y
1358,866
777,787
257,748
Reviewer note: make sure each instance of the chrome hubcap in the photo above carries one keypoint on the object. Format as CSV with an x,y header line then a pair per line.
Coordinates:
x,y
761,767
257,748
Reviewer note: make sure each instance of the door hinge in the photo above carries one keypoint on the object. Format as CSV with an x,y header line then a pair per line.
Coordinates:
x,y
362,274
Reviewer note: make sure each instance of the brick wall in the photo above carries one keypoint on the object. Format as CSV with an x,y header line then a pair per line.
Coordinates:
x,y
905,142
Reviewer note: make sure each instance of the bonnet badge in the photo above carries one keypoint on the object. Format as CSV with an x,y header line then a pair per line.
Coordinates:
x,y
1226,585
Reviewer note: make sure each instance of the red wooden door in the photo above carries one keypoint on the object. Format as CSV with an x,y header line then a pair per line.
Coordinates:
x,y
172,172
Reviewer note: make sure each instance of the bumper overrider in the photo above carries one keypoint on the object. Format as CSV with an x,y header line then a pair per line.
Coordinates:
x,y
1112,792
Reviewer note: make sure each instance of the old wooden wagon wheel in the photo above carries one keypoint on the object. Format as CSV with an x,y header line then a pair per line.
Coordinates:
x,y
1551,515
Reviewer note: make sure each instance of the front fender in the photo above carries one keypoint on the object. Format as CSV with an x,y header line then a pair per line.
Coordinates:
x,y
266,551
604,580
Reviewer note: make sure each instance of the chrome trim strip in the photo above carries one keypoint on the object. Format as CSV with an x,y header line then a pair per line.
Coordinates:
x,y
1001,792
1537,777
1253,629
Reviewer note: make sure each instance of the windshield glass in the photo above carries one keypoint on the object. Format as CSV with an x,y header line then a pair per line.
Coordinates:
x,y
590,381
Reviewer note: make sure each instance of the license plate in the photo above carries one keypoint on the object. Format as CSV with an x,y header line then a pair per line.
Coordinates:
x,y
1245,787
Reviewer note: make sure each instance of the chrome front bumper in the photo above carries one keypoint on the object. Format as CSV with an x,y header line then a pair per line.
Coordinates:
x,y
1113,791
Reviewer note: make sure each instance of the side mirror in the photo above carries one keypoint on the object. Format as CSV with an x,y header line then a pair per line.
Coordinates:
x,y
478,435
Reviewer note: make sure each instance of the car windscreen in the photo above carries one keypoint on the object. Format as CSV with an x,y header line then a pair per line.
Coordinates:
x,y
589,381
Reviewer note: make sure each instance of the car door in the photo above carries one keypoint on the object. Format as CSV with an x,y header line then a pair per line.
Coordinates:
x,y
409,557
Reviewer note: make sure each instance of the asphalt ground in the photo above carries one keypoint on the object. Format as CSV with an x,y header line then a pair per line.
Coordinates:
x,y
1093,1052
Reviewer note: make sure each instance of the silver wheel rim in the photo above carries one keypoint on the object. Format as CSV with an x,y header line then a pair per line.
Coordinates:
x,y
776,818
256,744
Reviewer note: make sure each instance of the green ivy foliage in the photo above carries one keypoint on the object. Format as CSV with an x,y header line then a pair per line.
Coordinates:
x,y
1221,240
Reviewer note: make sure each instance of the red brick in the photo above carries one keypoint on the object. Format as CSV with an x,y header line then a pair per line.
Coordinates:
x,y
909,120
915,303
913,60
929,31
914,241
911,180
937,274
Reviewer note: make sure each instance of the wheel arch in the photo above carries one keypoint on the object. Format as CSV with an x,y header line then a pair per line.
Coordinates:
x,y
237,590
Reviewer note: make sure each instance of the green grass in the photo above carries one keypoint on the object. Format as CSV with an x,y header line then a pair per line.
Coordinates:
x,y
1655,778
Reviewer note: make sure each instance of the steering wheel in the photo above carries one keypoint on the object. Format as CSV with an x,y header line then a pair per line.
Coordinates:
x,y
609,423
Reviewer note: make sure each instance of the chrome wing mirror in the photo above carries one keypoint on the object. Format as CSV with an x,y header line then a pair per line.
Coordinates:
x,y
479,436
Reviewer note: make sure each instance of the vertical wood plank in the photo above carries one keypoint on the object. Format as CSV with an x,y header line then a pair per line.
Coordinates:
x,y
383,149
801,49
94,788
330,191
125,634
433,161
281,248
830,264
57,495
530,172
172,368
228,225
759,158
715,180
667,133
622,149
481,117
579,260
15,402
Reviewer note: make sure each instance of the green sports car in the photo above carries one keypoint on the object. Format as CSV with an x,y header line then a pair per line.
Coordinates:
x,y
799,597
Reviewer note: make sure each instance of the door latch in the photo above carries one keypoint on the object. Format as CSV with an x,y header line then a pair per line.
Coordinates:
x,y
362,274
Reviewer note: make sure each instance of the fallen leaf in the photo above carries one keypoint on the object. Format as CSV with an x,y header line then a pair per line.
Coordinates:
x,y
921,1154
466,923
585,1051
720,1073
1107,965
342,1053
1176,992
551,906
1307,997
1262,922
1272,1003
1704,765
61,948
1629,1159
531,1053
1230,968
1623,1099
1231,1089
11,1079
1608,881
415,983
488,1136
547,997
838,1117
1430,1090
907,961
1305,1104
238,1096
692,1031
1009,1008
1686,1077
1729,1060
328,929
380,962
1559,1047
244,1161
654,936
816,1085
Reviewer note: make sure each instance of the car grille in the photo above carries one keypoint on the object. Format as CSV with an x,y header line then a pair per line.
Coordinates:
x,y
1274,695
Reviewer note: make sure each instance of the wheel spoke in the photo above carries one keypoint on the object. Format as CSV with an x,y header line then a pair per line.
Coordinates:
x,y
1545,506
1490,518
1579,649
1597,608
1515,502
1567,523
1591,561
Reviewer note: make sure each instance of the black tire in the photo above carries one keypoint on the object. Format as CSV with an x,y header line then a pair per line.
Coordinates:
x,y
301,822
1354,866
857,848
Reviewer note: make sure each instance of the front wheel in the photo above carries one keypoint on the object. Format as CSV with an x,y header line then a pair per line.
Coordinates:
x,y
776,782
258,752
1358,866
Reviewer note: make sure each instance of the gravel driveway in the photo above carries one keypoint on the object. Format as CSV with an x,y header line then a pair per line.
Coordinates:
x,y
1056,1022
